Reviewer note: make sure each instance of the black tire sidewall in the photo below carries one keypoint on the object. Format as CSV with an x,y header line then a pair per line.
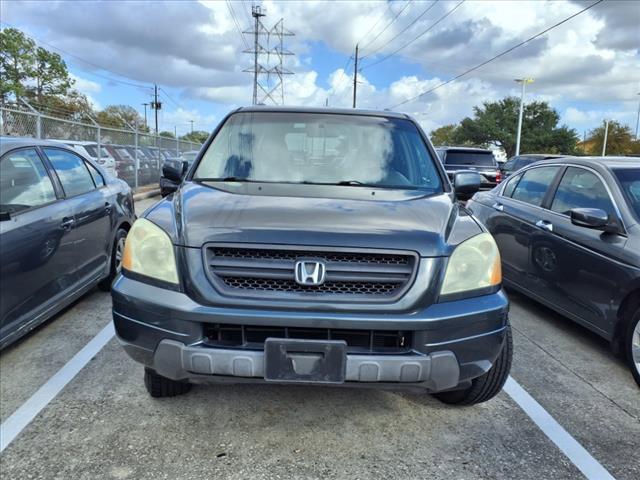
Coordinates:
x,y
635,318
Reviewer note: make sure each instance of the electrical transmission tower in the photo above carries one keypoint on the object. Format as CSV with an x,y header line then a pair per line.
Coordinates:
x,y
268,78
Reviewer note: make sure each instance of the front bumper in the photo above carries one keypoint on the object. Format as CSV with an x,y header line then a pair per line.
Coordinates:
x,y
453,342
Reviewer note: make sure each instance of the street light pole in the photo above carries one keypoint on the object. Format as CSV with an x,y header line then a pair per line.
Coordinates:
x,y
606,134
524,82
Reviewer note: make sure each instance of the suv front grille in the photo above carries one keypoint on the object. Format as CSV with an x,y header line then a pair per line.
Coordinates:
x,y
361,341
269,272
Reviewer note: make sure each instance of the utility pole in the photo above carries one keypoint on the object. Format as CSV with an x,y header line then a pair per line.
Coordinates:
x,y
638,119
145,114
191,121
524,82
256,13
355,77
156,105
606,134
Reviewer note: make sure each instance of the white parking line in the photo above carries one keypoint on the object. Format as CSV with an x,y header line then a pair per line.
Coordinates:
x,y
19,419
13,425
575,452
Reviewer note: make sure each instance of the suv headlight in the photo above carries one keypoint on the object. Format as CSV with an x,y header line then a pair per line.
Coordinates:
x,y
148,251
474,265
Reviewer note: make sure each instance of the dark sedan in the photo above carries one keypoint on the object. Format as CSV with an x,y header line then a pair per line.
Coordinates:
x,y
569,236
63,222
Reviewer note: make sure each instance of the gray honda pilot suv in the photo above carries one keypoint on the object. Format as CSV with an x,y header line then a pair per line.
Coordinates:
x,y
316,246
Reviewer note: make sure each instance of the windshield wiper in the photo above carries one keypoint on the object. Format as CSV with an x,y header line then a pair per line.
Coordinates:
x,y
225,179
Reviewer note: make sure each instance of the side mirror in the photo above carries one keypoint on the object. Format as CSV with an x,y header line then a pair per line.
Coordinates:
x,y
171,171
466,183
592,218
185,168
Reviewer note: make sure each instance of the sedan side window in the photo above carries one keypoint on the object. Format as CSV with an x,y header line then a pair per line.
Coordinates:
x,y
72,171
580,188
24,182
97,178
511,185
534,184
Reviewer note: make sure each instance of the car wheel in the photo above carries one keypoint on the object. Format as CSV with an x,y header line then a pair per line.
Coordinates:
x,y
633,346
116,259
486,386
159,386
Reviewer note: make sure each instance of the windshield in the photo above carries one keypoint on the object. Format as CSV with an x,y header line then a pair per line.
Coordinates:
x,y
320,148
478,159
629,179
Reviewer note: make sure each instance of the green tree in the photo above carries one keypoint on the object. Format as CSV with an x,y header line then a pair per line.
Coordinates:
x,y
120,116
197,136
444,135
619,140
51,75
167,134
16,63
496,122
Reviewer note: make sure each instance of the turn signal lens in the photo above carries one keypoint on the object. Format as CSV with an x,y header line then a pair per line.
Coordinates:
x,y
148,251
474,265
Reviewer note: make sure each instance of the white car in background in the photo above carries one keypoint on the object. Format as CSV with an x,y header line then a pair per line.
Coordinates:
x,y
90,150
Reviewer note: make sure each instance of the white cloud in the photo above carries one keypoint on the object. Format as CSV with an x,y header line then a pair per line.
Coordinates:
x,y
85,86
591,60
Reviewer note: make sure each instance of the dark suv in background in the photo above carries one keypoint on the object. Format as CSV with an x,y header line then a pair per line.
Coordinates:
x,y
481,160
316,246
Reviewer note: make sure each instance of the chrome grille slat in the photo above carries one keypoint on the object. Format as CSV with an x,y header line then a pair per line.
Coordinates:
x,y
268,271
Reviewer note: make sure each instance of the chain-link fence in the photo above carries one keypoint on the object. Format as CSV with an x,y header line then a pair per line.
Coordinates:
x,y
134,156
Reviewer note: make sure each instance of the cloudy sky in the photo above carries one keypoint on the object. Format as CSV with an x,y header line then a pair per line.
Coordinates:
x,y
588,68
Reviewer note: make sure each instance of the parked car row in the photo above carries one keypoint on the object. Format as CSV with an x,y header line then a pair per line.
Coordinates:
x,y
119,160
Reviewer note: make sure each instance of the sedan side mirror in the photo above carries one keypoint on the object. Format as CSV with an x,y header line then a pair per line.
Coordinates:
x,y
466,183
592,218
171,171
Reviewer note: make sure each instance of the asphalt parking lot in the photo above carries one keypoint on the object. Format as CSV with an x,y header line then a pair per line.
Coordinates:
x,y
104,425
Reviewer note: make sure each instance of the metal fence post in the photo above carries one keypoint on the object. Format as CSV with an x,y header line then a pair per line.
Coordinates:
x,y
177,147
38,118
98,135
135,140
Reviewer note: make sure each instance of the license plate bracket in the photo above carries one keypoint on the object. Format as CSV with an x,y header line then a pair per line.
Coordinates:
x,y
289,360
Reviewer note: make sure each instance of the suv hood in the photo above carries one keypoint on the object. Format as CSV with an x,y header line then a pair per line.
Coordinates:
x,y
336,216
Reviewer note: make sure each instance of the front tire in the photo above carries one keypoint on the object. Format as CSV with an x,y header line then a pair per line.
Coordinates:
x,y
488,385
116,260
159,386
633,346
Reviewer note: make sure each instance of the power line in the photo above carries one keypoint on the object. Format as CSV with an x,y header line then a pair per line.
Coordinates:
x,y
433,25
466,72
339,82
171,99
38,40
235,21
376,23
388,24
424,12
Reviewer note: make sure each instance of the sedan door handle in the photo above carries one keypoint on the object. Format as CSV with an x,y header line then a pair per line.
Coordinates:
x,y
107,207
498,206
67,223
544,225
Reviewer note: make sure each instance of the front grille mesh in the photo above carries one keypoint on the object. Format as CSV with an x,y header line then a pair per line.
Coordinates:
x,y
276,285
269,272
